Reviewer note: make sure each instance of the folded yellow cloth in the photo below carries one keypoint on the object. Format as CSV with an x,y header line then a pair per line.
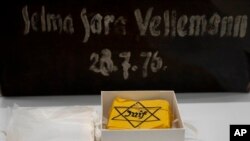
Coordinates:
x,y
144,114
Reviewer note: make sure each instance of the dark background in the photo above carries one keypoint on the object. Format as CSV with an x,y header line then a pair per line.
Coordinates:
x,y
52,64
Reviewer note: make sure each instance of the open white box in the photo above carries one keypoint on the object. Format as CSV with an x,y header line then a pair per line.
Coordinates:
x,y
172,134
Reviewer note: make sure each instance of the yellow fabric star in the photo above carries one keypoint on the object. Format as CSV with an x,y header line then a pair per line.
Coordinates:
x,y
144,114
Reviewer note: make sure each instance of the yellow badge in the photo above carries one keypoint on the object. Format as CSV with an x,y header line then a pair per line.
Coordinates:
x,y
145,114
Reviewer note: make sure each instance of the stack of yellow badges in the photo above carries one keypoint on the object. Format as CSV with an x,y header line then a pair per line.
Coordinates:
x,y
145,114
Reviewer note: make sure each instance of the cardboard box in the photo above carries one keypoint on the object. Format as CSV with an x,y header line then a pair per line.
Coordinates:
x,y
176,133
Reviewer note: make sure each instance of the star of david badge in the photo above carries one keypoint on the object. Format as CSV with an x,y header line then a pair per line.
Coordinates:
x,y
136,114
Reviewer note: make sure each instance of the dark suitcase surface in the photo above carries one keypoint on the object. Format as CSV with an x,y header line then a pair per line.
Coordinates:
x,y
81,47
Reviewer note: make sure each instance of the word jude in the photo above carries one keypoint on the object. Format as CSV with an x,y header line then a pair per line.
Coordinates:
x,y
144,114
